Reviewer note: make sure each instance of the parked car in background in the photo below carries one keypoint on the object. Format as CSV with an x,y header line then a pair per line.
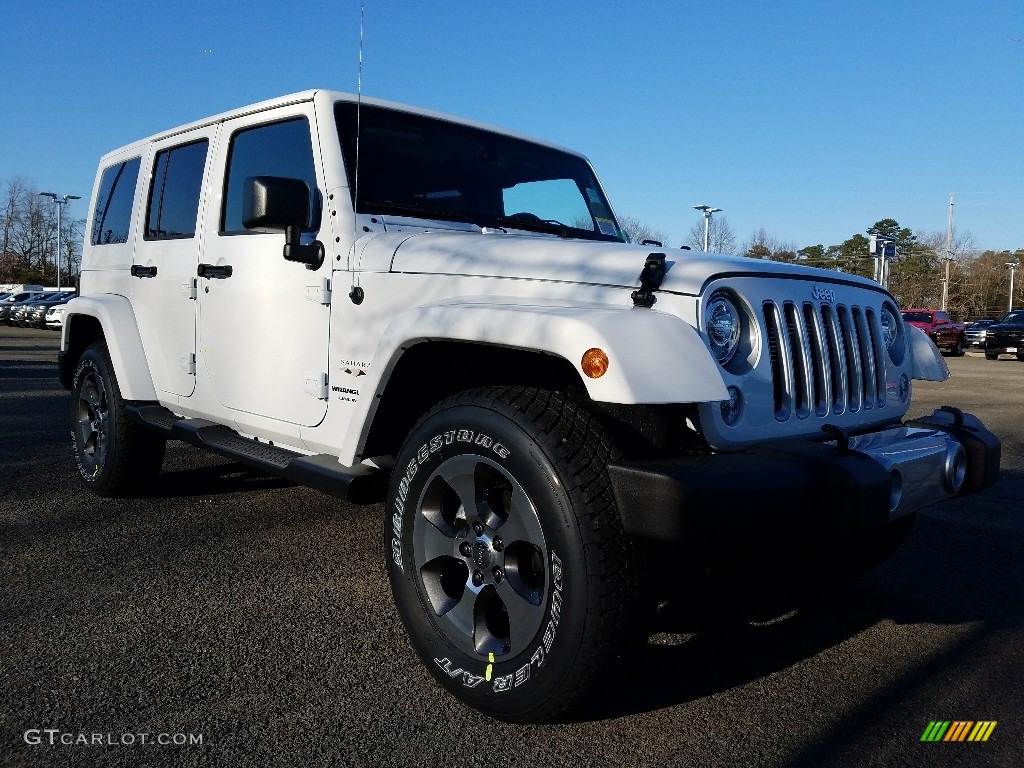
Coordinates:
x,y
1006,336
21,309
948,336
976,334
11,300
35,312
12,304
55,316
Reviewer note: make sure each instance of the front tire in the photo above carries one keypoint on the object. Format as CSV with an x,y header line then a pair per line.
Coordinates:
x,y
114,456
507,558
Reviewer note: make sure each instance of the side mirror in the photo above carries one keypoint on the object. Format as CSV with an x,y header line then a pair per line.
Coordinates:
x,y
276,204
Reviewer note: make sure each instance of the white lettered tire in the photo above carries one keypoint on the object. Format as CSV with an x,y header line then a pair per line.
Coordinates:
x,y
505,551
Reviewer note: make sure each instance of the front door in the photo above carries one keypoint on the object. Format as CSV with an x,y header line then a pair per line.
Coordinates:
x,y
264,321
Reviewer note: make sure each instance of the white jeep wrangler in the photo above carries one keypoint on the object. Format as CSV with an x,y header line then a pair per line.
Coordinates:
x,y
389,304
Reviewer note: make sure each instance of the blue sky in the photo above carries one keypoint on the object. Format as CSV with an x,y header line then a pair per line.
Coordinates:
x,y
810,119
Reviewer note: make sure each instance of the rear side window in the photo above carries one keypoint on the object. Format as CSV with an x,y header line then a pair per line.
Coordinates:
x,y
174,195
113,215
277,149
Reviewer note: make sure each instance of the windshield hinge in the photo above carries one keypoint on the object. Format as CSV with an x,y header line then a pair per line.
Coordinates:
x,y
650,280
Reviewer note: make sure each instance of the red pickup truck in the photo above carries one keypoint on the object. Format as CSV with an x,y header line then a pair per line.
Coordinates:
x,y
948,336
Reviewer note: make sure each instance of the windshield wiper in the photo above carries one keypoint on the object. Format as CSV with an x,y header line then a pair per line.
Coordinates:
x,y
537,224
422,211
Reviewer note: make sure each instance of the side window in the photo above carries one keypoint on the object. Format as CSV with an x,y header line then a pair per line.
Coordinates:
x,y
174,194
113,214
277,149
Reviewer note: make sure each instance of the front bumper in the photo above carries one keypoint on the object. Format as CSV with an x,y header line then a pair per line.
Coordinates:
x,y
801,489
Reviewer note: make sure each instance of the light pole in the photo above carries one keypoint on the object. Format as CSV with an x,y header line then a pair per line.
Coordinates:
x,y
60,201
1013,266
707,210
949,253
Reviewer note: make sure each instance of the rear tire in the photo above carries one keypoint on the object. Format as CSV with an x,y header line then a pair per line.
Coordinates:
x,y
507,557
114,455
991,357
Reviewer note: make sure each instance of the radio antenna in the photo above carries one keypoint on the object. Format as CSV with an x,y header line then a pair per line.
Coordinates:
x,y
359,110
356,294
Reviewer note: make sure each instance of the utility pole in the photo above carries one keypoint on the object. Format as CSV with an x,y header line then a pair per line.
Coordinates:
x,y
707,210
949,253
60,201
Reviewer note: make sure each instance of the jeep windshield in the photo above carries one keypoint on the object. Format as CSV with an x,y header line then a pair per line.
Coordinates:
x,y
424,167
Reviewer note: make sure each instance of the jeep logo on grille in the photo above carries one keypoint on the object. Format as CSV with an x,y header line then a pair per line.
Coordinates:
x,y
823,294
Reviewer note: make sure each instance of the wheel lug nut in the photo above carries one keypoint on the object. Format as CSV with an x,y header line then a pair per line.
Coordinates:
x,y
498,575
478,528
497,544
465,549
478,578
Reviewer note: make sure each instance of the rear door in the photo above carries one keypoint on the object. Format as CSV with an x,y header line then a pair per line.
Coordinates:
x,y
166,257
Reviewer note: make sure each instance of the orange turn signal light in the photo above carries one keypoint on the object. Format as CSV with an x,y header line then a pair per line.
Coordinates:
x,y
594,363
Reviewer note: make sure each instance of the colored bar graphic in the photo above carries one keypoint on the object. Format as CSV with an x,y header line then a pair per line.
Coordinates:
x,y
958,730
935,731
982,730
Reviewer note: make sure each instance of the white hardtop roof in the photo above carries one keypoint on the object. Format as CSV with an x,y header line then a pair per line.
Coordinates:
x,y
302,96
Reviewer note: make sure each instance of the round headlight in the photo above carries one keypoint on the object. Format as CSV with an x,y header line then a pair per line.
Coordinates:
x,y
890,326
722,320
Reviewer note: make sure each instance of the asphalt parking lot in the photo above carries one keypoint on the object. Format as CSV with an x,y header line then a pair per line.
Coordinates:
x,y
255,616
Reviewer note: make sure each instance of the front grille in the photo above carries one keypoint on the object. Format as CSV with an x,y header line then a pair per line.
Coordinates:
x,y
1004,337
825,359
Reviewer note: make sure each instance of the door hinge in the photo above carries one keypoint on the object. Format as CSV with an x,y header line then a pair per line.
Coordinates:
x,y
315,384
319,294
188,363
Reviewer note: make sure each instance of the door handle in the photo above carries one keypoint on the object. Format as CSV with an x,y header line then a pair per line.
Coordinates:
x,y
140,271
211,271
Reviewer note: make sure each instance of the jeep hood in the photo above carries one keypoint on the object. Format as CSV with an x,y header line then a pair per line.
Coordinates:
x,y
532,257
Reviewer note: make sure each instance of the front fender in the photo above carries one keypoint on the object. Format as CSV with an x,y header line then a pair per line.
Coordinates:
x,y
120,333
654,357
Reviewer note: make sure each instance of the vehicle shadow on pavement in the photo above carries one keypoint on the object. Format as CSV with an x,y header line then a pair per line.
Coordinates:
x,y
214,480
945,574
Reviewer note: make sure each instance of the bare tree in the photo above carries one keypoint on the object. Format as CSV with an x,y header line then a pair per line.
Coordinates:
x,y
16,193
637,231
764,245
720,236
28,228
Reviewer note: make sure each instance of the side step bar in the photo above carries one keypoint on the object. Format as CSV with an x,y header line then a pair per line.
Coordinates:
x,y
358,485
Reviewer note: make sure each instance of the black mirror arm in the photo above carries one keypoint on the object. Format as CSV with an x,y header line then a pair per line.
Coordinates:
x,y
312,255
